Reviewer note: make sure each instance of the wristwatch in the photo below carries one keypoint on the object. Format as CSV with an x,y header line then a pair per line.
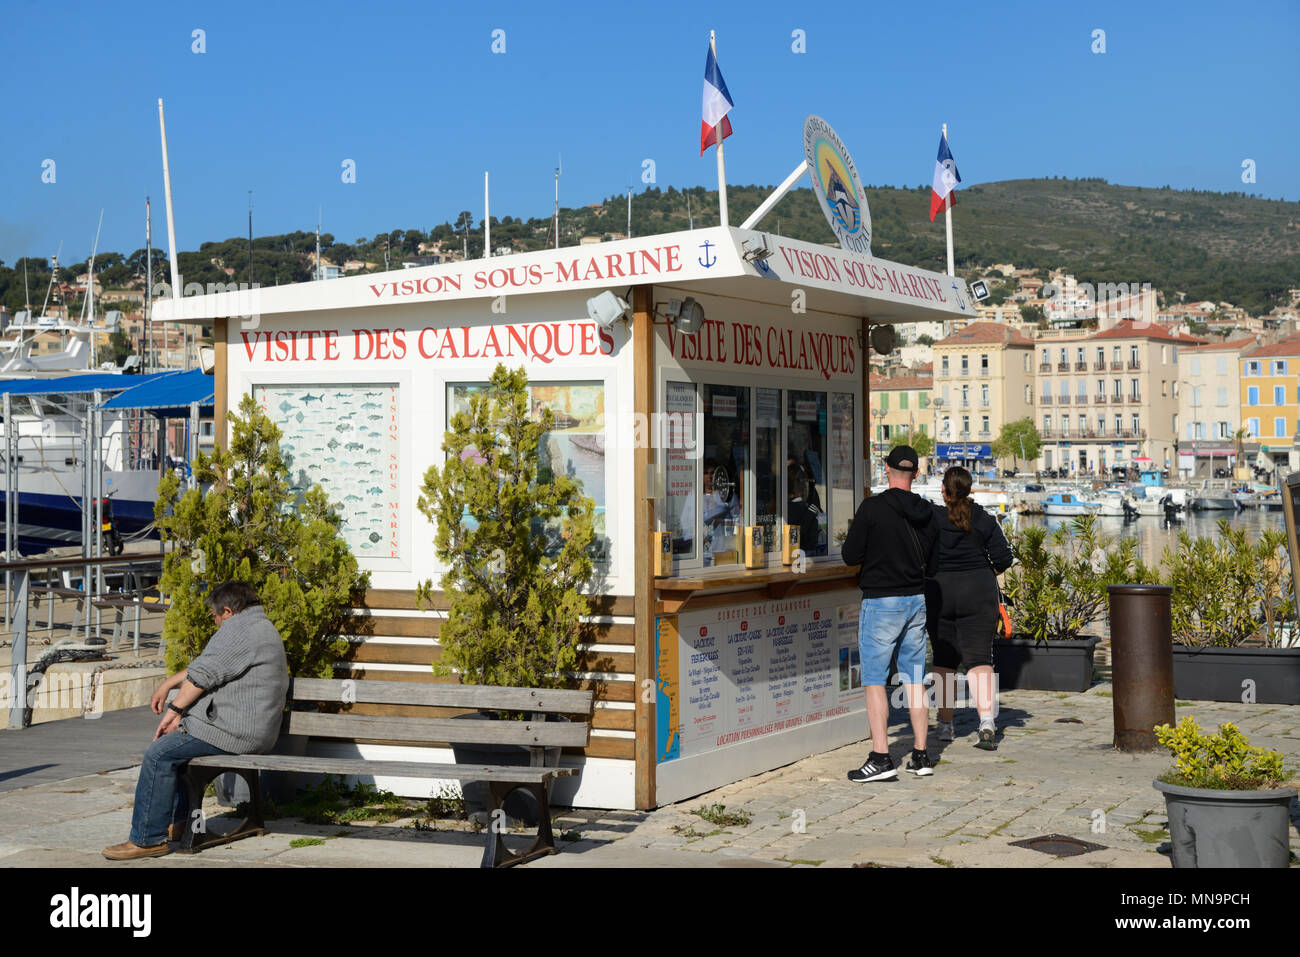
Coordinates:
x,y
171,706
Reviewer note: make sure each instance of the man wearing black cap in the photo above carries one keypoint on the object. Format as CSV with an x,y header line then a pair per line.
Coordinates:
x,y
893,537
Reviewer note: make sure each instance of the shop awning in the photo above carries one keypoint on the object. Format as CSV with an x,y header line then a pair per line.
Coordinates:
x,y
725,261
169,394
964,451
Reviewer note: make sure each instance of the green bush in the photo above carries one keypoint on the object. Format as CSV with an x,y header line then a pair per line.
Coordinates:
x,y
241,523
514,591
1223,761
1228,589
1057,586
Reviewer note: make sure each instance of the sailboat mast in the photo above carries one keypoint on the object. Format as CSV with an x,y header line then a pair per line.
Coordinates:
x,y
559,163
88,304
148,287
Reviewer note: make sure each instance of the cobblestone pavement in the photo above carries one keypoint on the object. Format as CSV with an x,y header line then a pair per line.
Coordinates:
x,y
1054,772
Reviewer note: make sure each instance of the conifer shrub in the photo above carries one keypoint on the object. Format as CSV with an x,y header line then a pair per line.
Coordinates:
x,y
241,522
516,550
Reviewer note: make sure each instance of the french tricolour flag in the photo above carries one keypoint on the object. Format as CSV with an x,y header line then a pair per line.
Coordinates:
x,y
943,193
714,127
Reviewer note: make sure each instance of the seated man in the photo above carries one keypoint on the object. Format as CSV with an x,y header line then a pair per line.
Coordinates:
x,y
231,701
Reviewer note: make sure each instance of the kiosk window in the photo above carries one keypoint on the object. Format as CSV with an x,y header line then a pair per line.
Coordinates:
x,y
722,481
805,475
575,446
681,454
842,492
762,456
767,466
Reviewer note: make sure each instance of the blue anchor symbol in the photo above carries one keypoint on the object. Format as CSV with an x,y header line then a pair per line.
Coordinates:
x,y
706,260
961,300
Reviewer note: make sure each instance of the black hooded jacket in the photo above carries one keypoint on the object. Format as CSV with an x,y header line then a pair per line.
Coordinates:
x,y
982,546
879,540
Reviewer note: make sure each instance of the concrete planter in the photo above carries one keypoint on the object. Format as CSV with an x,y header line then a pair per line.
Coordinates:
x,y
1028,665
1211,828
1262,675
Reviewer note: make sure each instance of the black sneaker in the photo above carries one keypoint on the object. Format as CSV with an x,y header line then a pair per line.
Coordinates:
x,y
875,769
986,742
920,764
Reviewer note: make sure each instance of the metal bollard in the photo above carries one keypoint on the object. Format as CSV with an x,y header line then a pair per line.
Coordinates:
x,y
1141,663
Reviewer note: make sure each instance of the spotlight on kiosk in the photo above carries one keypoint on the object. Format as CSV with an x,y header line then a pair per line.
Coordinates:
x,y
687,314
607,309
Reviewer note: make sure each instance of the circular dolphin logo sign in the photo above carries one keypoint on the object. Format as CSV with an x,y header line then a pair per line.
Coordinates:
x,y
835,181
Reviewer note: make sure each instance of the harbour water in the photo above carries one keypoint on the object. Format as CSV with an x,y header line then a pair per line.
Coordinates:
x,y
1154,534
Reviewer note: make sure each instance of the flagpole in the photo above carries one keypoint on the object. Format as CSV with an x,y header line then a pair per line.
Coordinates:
x,y
722,165
947,215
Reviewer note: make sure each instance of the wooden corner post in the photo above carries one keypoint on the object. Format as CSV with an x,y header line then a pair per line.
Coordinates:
x,y
220,390
868,464
643,401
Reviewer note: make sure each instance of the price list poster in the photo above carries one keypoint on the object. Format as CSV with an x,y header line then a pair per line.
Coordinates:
x,y
747,672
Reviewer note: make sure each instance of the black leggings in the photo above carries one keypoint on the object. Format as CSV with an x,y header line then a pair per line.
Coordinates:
x,y
963,618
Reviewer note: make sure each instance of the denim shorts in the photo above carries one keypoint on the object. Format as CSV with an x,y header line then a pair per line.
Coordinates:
x,y
888,623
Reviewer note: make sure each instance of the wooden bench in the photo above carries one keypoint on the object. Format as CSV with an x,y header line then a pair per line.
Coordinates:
x,y
320,699
63,589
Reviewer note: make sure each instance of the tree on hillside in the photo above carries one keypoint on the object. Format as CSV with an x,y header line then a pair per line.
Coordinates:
x,y
1032,315
921,442
1017,440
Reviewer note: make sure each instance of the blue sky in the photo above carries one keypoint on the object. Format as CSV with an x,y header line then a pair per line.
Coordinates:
x,y
414,95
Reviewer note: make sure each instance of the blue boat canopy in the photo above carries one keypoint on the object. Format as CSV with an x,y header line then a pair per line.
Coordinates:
x,y
87,382
168,394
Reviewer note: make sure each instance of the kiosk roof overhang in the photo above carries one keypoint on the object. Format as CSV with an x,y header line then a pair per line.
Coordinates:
x,y
708,261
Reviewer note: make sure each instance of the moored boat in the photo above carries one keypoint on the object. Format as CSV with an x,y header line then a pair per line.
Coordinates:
x,y
1068,504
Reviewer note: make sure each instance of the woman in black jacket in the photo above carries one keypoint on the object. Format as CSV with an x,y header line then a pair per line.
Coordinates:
x,y
972,549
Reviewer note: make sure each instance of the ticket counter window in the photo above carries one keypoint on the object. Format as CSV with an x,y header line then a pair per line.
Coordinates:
x,y
681,454
806,493
767,467
738,455
725,465
843,494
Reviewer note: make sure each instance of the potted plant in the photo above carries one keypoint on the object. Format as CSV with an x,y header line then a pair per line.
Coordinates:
x,y
1233,612
515,542
1226,800
243,522
1057,588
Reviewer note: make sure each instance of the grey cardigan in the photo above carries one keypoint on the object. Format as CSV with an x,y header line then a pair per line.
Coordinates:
x,y
245,677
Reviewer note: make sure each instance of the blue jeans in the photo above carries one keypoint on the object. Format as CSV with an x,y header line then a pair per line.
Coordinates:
x,y
888,623
160,795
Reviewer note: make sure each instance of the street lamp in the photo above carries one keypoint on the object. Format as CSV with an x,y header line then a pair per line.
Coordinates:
x,y
1196,426
879,414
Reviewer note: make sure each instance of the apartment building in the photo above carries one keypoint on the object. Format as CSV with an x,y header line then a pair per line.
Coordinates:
x,y
983,378
899,404
1270,405
1108,399
1209,405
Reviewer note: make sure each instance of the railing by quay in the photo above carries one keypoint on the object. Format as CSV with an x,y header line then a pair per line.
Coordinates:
x,y
19,573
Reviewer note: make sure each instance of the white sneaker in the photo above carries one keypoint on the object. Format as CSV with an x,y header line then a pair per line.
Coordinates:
x,y
946,732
